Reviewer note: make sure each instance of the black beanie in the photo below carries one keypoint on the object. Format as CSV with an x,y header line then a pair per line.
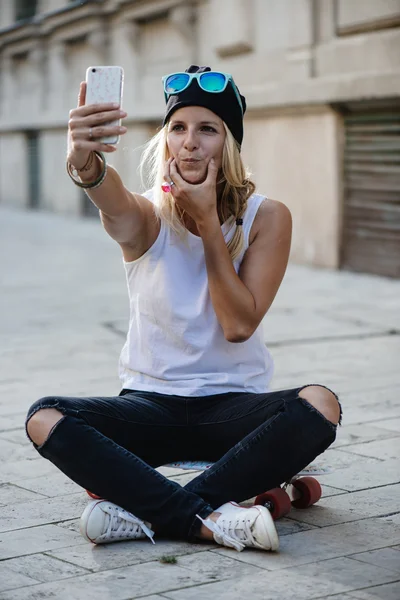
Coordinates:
x,y
225,104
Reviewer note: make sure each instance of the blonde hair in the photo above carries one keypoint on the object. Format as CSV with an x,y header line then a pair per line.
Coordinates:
x,y
232,203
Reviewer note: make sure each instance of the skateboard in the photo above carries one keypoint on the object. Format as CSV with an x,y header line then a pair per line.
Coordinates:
x,y
301,491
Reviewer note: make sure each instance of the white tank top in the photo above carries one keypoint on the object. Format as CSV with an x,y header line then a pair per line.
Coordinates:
x,y
175,344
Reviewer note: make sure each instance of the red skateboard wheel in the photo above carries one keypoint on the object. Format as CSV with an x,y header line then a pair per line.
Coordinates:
x,y
310,490
94,496
276,500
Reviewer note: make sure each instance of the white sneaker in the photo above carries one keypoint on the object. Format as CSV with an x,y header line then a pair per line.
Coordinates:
x,y
238,527
103,522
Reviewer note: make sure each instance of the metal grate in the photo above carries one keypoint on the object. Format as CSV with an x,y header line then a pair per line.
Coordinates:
x,y
371,227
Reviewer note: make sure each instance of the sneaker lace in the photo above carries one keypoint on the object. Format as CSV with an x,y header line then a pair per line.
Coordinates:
x,y
123,524
232,532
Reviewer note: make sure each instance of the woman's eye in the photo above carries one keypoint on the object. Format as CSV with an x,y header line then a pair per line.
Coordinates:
x,y
206,128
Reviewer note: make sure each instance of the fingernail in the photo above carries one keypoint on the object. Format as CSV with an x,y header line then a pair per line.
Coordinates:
x,y
116,105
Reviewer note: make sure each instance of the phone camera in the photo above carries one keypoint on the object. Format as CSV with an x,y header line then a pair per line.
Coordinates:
x,y
93,70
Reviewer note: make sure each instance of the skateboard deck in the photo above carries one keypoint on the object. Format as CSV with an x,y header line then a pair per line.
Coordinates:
x,y
301,491
198,465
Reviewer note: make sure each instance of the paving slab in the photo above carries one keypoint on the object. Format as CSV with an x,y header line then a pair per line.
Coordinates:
x,y
42,568
312,325
39,512
12,420
374,395
393,518
50,485
287,526
358,434
152,597
217,567
36,539
339,597
371,414
389,425
10,580
365,475
117,584
13,471
16,436
340,365
71,524
303,583
389,591
324,543
385,557
341,458
376,502
12,494
345,571
363,312
112,556
382,449
328,491
12,451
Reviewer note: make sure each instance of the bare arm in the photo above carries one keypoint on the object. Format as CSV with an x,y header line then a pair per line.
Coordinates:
x,y
123,214
241,301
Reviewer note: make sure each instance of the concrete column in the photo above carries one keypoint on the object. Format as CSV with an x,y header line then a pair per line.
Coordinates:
x,y
99,40
7,87
232,23
7,14
57,70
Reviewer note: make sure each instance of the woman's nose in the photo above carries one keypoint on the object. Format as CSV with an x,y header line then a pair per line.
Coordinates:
x,y
191,142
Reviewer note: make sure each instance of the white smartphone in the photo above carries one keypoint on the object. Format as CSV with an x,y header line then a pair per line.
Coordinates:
x,y
105,84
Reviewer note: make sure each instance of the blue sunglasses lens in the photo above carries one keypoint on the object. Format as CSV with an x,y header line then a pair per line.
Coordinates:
x,y
176,83
213,82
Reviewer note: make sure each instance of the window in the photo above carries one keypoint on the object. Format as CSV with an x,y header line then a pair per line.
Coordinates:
x,y
32,139
25,9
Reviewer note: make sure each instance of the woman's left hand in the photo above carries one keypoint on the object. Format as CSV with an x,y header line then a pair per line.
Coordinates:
x,y
199,201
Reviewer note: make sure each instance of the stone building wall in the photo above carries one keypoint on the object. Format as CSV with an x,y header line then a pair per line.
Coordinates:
x,y
299,63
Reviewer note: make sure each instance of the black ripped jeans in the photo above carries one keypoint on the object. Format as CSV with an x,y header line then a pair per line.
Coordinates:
x,y
111,447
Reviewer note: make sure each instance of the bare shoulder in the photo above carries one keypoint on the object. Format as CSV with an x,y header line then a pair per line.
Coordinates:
x,y
151,223
273,218
142,201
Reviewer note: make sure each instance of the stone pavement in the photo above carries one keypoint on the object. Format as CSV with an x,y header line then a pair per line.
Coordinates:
x,y
63,310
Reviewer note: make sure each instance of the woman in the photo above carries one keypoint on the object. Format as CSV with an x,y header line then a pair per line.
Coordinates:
x,y
204,258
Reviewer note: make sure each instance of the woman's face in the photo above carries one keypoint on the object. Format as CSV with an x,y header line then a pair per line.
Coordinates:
x,y
195,135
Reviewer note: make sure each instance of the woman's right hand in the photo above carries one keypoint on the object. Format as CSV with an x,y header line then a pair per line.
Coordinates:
x,y
86,125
